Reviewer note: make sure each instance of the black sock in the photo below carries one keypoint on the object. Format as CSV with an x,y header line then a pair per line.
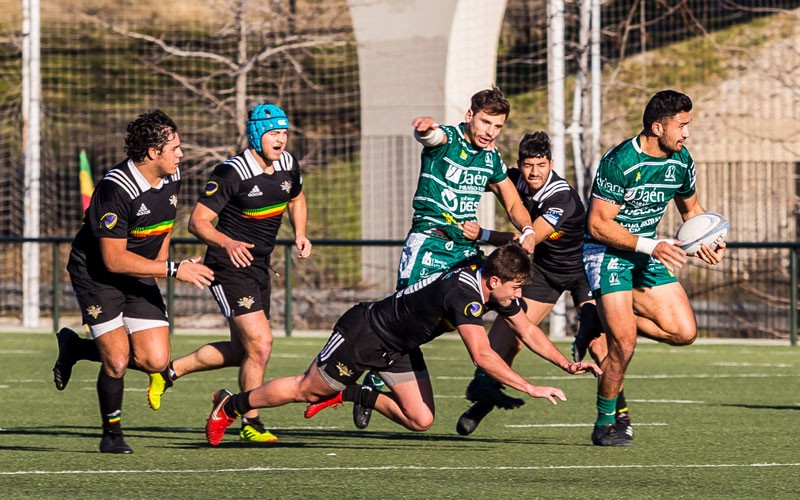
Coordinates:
x,y
169,373
622,405
82,348
363,395
109,393
238,404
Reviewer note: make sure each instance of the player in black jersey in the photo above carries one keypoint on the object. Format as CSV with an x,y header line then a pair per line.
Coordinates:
x,y
248,195
558,219
378,336
121,247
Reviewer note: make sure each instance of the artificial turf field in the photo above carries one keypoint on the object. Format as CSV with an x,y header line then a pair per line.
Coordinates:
x,y
711,421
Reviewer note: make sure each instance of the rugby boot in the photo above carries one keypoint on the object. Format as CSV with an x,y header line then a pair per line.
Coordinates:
x,y
469,420
218,420
315,408
253,430
157,387
62,370
608,435
112,442
484,388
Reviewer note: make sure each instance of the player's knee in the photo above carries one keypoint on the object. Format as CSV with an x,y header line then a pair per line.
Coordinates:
x,y
684,336
419,423
116,366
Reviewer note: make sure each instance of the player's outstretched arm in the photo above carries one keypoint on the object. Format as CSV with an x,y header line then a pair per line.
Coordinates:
x,y
477,342
298,215
427,132
508,196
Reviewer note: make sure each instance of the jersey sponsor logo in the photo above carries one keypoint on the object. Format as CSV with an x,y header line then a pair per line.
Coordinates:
x,y
553,215
246,302
449,245
463,155
427,259
487,159
641,196
211,188
143,210
109,220
453,174
254,192
265,212
670,175
474,309
344,371
94,311
173,200
449,199
286,186
613,264
613,279
609,186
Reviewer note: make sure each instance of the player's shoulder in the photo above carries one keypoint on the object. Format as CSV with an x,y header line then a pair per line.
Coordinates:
x,y
121,183
286,163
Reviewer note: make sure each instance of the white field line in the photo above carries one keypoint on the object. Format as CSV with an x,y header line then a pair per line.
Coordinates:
x,y
397,468
646,377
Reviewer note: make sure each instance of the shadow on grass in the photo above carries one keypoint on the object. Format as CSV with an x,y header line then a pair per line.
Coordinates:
x,y
763,407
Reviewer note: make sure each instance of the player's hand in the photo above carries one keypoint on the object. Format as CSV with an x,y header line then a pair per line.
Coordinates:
x,y
712,257
191,271
583,367
424,124
238,252
303,247
470,229
671,255
549,393
529,243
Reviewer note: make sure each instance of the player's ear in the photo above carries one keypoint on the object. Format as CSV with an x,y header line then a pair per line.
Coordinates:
x,y
468,116
657,128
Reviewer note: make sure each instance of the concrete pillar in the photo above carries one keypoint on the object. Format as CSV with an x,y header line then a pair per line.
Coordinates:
x,y
416,58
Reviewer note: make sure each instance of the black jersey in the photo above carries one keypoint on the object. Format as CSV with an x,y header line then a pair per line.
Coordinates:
x,y
559,204
249,202
125,206
437,304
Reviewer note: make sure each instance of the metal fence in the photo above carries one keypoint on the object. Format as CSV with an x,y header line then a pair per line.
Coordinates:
x,y
753,293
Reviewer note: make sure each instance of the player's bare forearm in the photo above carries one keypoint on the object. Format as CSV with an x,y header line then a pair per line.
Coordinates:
x,y
298,217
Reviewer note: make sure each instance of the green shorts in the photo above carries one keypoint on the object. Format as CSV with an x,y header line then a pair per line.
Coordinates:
x,y
609,270
430,252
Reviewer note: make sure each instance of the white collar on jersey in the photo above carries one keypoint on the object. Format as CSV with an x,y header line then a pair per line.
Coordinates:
x,y
478,275
140,180
252,163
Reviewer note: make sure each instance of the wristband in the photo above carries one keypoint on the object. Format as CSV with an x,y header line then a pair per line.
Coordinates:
x,y
525,232
648,245
485,235
172,268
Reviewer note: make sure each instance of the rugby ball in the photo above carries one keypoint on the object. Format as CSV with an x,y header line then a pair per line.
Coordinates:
x,y
708,229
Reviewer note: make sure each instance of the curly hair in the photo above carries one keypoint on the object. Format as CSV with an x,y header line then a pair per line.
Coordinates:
x,y
509,262
152,129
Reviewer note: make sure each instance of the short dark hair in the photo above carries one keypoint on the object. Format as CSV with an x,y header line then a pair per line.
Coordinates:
x,y
509,262
664,105
491,101
535,145
152,129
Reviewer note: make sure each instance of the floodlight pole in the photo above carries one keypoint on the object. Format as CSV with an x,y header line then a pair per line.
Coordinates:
x,y
31,139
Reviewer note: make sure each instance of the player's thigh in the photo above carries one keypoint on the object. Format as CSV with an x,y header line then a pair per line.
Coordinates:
x,y
114,350
252,331
151,348
668,307
619,321
415,397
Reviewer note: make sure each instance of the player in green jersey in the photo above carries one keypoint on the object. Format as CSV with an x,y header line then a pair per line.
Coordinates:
x,y
459,164
630,271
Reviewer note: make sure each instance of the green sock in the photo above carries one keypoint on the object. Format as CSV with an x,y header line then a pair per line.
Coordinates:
x,y
606,410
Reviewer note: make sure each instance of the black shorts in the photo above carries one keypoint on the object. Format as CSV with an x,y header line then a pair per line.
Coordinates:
x,y
241,290
129,298
354,348
548,285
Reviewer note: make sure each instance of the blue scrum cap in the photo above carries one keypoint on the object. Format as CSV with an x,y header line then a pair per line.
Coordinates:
x,y
263,118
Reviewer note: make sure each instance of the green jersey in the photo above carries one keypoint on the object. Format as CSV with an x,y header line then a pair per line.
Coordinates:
x,y
642,185
452,179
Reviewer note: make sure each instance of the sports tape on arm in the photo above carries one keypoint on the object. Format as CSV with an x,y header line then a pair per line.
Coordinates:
x,y
433,138
648,245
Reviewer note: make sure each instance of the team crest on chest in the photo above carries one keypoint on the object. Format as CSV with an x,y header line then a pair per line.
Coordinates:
x,y
173,200
246,302
344,371
286,186
94,311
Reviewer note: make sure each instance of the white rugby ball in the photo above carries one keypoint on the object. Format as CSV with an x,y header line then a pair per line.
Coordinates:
x,y
708,229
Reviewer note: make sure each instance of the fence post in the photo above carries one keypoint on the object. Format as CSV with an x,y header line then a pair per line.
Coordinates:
x,y
287,290
793,296
56,286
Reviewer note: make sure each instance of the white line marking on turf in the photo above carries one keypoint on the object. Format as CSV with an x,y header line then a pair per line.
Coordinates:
x,y
767,365
525,426
16,351
395,467
645,377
